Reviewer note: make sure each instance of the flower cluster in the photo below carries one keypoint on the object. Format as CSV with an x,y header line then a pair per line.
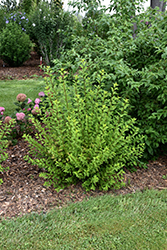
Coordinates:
x,y
34,106
8,119
20,116
20,18
21,97
25,107
2,109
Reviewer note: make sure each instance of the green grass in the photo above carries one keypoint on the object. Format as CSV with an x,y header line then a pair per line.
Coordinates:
x,y
136,221
10,89
133,221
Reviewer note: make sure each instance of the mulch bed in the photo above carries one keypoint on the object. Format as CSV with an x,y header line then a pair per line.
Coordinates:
x,y
30,68
23,191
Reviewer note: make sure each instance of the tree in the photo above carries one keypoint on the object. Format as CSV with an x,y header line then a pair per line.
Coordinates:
x,y
26,5
9,5
158,3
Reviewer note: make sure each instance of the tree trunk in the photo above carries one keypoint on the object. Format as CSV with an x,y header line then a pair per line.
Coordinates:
x,y
158,3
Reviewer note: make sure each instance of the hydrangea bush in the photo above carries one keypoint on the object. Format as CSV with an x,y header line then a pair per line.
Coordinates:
x,y
24,107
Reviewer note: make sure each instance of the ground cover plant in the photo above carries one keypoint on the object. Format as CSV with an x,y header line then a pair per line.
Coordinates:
x,y
135,221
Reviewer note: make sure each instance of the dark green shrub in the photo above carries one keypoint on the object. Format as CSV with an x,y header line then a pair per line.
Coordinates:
x,y
26,5
88,135
2,20
15,45
137,65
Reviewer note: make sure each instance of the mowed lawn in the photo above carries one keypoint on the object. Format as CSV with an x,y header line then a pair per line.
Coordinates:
x,y
125,222
10,89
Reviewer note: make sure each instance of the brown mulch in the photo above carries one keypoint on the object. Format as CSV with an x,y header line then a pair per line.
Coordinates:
x,y
30,68
23,191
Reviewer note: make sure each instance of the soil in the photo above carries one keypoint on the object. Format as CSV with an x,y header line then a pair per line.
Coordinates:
x,y
30,68
23,191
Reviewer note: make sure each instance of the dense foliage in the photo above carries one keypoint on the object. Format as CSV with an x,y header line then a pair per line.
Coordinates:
x,y
4,132
89,130
15,45
88,135
135,58
52,29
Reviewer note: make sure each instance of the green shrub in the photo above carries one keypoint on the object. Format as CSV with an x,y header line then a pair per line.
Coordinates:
x,y
26,5
88,136
5,130
137,65
17,17
2,20
15,45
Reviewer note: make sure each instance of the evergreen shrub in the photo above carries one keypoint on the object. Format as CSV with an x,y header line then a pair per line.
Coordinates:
x,y
15,45
88,137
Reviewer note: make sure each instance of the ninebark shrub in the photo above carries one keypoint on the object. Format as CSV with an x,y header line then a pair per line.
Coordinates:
x,y
87,137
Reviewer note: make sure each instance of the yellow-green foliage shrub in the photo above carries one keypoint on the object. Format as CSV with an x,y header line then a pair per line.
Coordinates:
x,y
88,135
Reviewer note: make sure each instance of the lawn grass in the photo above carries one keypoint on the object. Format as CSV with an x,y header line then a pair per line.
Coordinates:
x,y
11,88
133,221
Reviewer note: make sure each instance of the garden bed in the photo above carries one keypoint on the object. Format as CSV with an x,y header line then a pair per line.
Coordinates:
x,y
30,68
22,190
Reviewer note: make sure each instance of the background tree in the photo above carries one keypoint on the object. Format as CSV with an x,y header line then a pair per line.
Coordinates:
x,y
158,3
26,5
9,5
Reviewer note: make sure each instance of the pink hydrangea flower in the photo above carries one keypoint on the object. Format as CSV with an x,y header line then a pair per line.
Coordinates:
x,y
2,109
20,116
21,97
29,100
41,93
36,106
28,109
1,113
35,111
37,101
8,119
